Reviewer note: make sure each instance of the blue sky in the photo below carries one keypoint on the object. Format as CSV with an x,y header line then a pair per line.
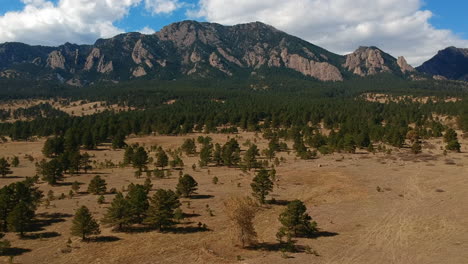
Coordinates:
x,y
451,14
416,29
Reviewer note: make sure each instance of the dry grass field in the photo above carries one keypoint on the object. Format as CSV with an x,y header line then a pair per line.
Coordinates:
x,y
419,216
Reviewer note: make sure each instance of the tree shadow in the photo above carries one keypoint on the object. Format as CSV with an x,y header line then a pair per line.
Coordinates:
x,y
275,247
13,251
41,235
59,184
279,202
186,229
188,215
46,219
319,234
12,177
201,196
104,239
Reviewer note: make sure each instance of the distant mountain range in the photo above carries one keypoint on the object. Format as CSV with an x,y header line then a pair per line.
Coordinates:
x,y
208,50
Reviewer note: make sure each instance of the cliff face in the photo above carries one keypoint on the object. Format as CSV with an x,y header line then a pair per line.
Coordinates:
x,y
191,48
450,63
367,61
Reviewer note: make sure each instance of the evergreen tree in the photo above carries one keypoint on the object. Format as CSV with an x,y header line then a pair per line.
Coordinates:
x,y
85,162
128,155
161,210
140,159
51,171
217,155
162,160
4,168
296,221
119,214
97,185
189,146
186,185
137,197
261,185
83,224
231,153
15,162
205,155
118,141
53,147
250,157
19,219
88,141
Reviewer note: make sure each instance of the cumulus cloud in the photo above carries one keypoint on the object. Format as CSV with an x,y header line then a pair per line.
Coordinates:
x,y
147,30
162,6
81,21
400,27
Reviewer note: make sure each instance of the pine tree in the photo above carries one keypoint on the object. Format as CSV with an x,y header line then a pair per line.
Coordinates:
x,y
205,155
137,197
250,157
161,211
15,162
162,160
83,224
186,185
296,221
85,162
128,155
19,219
97,185
189,146
51,171
119,214
140,158
261,185
118,141
4,168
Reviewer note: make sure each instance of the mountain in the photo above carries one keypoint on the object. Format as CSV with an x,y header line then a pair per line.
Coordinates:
x,y
451,63
366,61
190,48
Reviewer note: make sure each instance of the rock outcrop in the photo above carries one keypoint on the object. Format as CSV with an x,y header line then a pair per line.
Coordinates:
x,y
366,61
56,60
404,66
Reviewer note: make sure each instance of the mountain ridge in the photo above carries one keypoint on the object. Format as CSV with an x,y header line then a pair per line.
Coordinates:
x,y
194,49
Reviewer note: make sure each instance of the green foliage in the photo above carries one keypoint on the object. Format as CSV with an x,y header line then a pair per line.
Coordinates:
x,y
119,214
19,219
189,146
261,185
97,185
140,158
4,167
162,160
50,171
83,224
186,185
295,220
15,162
250,157
137,197
161,212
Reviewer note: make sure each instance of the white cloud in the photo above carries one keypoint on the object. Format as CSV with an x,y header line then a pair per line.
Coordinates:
x,y
162,6
400,27
81,21
147,30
